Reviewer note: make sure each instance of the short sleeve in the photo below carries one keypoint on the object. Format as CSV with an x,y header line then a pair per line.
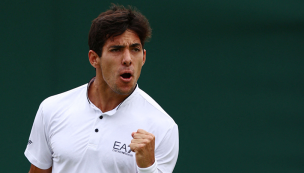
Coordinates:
x,y
38,151
167,152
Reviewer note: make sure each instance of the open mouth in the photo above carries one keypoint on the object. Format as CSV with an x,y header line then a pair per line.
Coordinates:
x,y
126,75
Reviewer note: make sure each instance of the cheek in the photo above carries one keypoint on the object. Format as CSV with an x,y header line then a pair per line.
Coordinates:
x,y
108,70
139,66
105,71
139,62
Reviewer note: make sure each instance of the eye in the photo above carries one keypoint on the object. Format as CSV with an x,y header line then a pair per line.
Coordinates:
x,y
114,50
136,49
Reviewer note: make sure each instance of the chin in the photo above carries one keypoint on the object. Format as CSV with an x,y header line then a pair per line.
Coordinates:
x,y
124,90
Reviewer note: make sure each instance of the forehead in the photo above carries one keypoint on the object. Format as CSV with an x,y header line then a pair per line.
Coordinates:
x,y
127,38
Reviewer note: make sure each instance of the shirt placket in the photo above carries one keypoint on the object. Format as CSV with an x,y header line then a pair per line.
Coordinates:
x,y
95,134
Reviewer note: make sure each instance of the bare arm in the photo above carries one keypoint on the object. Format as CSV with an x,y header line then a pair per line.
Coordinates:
x,y
34,169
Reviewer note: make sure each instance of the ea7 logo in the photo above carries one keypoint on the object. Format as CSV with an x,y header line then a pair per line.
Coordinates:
x,y
122,148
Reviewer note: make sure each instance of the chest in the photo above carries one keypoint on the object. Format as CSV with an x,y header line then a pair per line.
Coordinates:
x,y
92,141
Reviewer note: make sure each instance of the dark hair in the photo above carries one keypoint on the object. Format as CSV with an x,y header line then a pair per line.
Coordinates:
x,y
114,22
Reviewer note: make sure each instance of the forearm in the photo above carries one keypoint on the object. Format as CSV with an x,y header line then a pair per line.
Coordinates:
x,y
34,169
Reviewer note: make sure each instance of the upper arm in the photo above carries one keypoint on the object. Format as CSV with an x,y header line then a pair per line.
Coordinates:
x,y
38,150
167,152
34,169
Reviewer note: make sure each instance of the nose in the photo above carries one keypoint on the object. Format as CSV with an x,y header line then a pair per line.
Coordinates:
x,y
127,60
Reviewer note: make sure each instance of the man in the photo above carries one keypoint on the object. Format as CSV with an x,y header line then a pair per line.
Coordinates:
x,y
109,124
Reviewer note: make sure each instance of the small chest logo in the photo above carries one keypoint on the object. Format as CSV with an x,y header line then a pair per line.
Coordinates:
x,y
122,148
29,142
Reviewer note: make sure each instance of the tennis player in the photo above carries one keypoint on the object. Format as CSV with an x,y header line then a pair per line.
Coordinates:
x,y
108,125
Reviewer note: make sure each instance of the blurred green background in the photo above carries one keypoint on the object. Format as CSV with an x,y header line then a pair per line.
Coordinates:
x,y
230,73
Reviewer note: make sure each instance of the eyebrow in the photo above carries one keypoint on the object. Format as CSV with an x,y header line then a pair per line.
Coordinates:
x,y
123,46
135,45
117,46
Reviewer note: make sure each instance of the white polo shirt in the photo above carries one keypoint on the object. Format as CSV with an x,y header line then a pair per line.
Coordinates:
x,y
74,136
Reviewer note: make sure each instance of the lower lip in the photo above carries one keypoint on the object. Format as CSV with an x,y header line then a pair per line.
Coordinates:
x,y
126,79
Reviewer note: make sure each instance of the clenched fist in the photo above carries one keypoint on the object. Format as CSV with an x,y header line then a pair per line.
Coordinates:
x,y
143,144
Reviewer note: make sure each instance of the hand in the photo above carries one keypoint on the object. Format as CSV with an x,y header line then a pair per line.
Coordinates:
x,y
143,144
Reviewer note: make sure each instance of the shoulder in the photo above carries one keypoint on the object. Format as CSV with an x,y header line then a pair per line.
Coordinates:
x,y
151,111
61,100
151,101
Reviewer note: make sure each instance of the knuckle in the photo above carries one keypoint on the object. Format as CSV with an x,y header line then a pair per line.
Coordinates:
x,y
146,141
133,147
141,146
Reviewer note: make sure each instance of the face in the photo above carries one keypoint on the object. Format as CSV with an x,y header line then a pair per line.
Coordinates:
x,y
120,64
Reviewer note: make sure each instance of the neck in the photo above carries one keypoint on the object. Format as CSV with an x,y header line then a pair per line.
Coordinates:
x,y
103,97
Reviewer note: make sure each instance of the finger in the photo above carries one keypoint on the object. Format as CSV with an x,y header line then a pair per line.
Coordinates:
x,y
140,141
141,136
142,131
132,147
136,147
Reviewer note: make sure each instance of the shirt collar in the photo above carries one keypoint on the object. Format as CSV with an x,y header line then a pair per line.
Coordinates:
x,y
89,84
113,111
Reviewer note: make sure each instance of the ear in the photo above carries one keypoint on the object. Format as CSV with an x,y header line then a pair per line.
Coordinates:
x,y
144,57
93,58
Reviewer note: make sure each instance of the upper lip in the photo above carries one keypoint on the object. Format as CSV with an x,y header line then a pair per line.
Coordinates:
x,y
126,71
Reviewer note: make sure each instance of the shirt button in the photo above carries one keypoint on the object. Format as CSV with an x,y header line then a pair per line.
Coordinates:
x,y
96,130
100,117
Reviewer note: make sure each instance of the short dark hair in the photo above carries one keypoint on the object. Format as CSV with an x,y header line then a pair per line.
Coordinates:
x,y
115,22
